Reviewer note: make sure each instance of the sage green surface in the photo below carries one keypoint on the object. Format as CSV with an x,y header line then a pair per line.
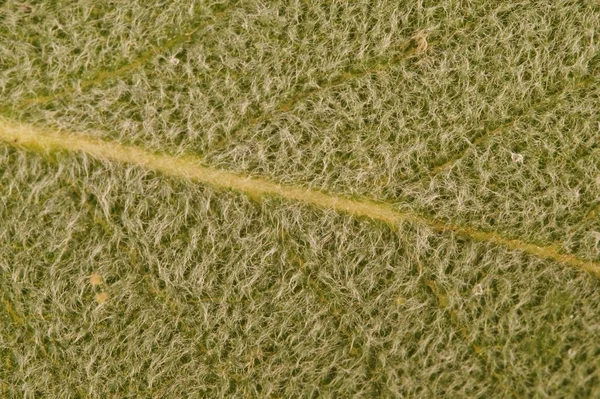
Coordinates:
x,y
117,281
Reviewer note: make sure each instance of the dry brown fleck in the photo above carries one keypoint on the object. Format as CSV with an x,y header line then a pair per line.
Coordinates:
x,y
101,297
95,279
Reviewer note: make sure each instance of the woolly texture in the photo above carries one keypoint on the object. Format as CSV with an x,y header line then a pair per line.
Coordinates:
x,y
475,121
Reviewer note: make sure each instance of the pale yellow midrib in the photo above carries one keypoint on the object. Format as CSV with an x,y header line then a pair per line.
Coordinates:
x,y
190,167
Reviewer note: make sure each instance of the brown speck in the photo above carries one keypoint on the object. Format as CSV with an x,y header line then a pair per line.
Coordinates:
x,y
285,107
95,279
26,8
101,297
